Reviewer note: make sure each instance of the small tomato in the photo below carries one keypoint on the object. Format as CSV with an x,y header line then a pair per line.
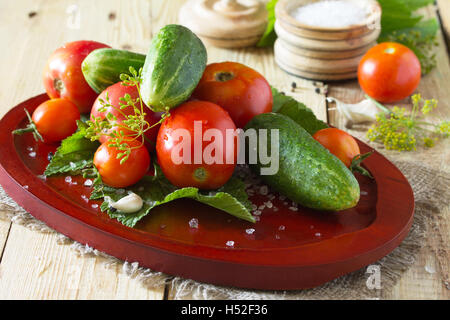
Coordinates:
x,y
339,143
54,120
121,175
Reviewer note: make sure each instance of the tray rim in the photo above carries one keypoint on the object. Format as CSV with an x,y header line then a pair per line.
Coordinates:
x,y
243,257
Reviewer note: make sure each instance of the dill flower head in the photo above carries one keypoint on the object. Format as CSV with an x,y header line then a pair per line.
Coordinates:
x,y
399,131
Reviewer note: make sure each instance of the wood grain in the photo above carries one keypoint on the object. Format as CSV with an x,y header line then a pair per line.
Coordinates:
x,y
39,28
34,266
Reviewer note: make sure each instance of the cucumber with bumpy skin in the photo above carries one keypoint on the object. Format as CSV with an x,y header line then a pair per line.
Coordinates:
x,y
308,173
102,67
173,67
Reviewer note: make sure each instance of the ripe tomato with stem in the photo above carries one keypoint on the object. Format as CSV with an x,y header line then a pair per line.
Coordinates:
x,y
52,121
344,147
237,88
63,77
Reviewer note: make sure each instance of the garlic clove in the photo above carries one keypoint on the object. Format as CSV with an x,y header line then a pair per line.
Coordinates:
x,y
364,111
128,204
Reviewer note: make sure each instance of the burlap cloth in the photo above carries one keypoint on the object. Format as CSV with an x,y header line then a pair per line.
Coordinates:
x,y
432,195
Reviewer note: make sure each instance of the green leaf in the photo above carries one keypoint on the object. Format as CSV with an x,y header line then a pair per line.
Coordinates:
x,y
297,111
157,190
74,154
279,99
269,36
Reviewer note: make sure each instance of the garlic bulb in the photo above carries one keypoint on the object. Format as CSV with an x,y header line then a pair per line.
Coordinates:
x,y
128,204
361,112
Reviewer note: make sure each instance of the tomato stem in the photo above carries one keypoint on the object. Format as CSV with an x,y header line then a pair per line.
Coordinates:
x,y
356,164
31,127
58,84
224,76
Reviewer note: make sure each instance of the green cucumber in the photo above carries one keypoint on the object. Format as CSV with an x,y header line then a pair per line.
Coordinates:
x,y
102,67
173,67
308,173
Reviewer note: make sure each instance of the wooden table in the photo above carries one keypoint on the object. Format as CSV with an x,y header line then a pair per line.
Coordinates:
x,y
33,265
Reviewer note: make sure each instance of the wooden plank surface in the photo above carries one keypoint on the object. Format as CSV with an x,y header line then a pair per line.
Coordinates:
x,y
32,264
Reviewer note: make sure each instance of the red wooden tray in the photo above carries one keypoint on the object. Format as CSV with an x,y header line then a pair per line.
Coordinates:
x,y
313,247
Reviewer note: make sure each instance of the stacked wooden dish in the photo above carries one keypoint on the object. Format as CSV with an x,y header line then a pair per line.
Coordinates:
x,y
225,23
324,53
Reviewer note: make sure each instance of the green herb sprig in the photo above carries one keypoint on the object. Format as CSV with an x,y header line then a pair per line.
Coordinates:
x,y
399,131
132,127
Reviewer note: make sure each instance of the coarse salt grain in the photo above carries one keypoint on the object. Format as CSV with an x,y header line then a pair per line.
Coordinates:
x,y
257,212
88,183
330,13
193,223
230,243
264,190
250,231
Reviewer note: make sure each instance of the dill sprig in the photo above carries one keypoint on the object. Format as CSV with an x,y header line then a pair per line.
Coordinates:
x,y
422,45
399,131
132,127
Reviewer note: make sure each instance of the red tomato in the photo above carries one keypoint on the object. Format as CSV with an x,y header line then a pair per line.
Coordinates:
x,y
203,173
339,143
126,174
56,119
115,92
389,72
63,77
240,90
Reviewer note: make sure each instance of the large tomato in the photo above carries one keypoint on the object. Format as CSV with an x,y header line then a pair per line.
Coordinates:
x,y
63,77
121,175
115,92
389,72
199,170
240,90
339,143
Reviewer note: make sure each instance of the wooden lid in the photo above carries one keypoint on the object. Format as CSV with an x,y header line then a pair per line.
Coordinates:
x,y
224,19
